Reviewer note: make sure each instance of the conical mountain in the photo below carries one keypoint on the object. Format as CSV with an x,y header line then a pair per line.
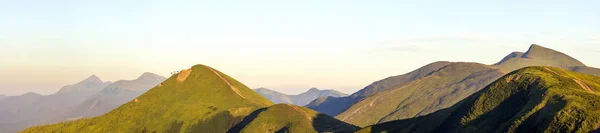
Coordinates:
x,y
532,99
199,99
195,97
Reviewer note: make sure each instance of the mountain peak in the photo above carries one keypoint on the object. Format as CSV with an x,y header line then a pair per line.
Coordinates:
x,y
148,75
92,79
537,55
314,89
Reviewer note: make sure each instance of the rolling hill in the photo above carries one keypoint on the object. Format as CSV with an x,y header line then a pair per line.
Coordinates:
x,y
531,99
199,99
442,86
300,99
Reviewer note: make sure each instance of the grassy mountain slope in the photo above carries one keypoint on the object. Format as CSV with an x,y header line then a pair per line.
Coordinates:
x,y
199,99
441,89
532,99
333,106
290,118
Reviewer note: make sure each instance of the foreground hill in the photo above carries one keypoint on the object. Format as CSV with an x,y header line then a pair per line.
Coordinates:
x,y
532,99
199,99
290,118
433,87
300,99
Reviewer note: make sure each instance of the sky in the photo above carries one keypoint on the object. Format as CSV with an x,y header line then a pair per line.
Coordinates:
x,y
288,46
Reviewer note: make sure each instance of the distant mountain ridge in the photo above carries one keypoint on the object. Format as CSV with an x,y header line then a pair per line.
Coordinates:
x,y
300,99
32,109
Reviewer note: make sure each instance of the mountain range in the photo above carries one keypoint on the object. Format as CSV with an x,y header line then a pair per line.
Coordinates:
x,y
88,98
202,99
532,99
540,90
300,99
433,87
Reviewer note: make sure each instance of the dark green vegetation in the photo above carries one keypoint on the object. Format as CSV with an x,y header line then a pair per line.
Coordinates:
x,y
200,99
433,87
300,99
532,99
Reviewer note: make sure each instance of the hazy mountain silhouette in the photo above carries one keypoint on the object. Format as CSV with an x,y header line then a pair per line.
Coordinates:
x,y
300,99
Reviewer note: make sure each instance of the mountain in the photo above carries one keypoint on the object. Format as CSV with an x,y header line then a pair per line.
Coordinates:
x,y
300,99
537,56
441,89
290,118
333,106
113,96
199,99
274,96
437,86
19,112
531,99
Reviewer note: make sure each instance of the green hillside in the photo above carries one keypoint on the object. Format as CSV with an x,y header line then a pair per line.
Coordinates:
x,y
441,89
290,118
199,99
532,99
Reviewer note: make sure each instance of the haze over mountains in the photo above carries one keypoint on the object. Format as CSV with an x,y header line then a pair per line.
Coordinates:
x,y
541,90
300,99
202,99
91,97
433,87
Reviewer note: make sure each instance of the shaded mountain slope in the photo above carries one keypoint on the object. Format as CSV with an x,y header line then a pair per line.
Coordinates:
x,y
300,99
332,106
532,99
441,89
290,118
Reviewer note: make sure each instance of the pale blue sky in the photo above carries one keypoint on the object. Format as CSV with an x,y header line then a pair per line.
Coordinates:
x,y
289,46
